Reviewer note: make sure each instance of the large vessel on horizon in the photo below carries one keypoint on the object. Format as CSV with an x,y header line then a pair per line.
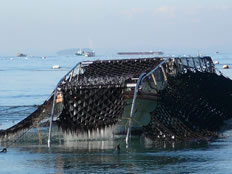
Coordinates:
x,y
21,55
142,53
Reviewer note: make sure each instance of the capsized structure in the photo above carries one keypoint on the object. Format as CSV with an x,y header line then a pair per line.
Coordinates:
x,y
164,99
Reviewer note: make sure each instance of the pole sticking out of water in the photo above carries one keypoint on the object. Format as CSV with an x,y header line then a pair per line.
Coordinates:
x,y
51,118
133,105
54,99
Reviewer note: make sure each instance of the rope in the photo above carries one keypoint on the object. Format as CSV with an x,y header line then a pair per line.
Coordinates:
x,y
6,108
13,141
16,138
16,112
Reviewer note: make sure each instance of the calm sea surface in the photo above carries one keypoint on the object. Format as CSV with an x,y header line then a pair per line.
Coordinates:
x,y
30,80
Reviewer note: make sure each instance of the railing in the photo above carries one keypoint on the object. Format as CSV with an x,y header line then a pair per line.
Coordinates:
x,y
67,76
179,65
140,80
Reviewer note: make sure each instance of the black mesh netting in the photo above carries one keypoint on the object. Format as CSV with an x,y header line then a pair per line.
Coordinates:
x,y
95,98
113,72
43,111
88,109
193,105
92,99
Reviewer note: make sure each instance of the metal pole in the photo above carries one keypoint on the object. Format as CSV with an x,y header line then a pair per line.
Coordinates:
x,y
206,66
51,118
133,105
164,74
141,77
54,102
71,75
187,61
154,80
194,64
79,71
199,59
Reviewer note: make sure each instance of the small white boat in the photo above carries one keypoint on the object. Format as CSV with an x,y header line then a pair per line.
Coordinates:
x,y
226,67
79,53
89,54
216,62
56,67
85,52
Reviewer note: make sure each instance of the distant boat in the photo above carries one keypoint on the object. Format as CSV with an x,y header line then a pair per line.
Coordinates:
x,y
85,52
79,53
21,55
142,53
56,67
226,67
89,54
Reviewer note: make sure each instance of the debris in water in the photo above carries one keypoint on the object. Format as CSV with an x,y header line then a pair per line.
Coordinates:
x,y
4,150
56,67
226,67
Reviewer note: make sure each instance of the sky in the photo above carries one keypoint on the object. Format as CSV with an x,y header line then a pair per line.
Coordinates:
x,y
43,27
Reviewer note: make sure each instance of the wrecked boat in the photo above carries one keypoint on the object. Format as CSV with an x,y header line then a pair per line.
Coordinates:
x,y
163,99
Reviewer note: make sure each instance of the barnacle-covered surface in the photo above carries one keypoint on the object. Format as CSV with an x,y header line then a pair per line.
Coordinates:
x,y
194,105
95,98
111,73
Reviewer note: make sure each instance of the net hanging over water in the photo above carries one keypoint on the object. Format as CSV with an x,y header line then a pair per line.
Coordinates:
x,y
192,99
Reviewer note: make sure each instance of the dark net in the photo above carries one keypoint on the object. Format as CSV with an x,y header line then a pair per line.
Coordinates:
x,y
193,105
95,98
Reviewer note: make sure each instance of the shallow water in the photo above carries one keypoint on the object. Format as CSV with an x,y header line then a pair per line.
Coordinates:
x,y
100,157
30,81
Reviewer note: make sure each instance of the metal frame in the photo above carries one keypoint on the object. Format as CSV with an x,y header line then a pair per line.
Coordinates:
x,y
70,75
143,76
133,105
140,80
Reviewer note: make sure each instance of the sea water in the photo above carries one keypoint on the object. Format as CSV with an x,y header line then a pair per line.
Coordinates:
x,y
28,81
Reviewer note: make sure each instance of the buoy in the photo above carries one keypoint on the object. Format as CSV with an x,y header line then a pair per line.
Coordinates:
x,y
225,66
59,97
56,67
216,62
4,150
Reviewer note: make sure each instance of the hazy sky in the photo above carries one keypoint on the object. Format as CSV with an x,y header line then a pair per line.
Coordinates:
x,y
46,26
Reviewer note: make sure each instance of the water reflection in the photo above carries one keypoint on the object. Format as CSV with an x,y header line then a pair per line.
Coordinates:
x,y
98,156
